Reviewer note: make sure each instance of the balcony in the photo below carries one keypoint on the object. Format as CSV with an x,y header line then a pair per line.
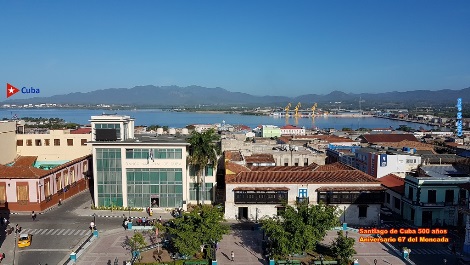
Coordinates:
x,y
433,204
301,200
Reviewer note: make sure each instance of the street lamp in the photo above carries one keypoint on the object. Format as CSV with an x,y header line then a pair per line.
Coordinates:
x,y
94,218
346,234
445,261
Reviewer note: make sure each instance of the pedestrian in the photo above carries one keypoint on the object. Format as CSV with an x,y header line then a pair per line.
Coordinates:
x,y
60,202
232,255
92,225
126,224
144,221
33,216
17,229
160,219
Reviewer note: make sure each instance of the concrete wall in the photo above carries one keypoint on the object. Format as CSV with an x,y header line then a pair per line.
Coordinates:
x,y
53,153
7,141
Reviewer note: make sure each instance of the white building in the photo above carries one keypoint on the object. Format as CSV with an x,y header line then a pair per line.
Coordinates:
x,y
143,170
252,193
292,130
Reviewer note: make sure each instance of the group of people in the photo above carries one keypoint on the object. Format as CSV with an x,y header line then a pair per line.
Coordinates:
x,y
141,221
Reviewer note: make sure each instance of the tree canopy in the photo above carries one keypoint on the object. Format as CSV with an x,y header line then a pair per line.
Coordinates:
x,y
298,229
203,150
343,248
202,226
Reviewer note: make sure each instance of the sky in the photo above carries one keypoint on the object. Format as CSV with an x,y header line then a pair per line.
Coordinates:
x,y
278,48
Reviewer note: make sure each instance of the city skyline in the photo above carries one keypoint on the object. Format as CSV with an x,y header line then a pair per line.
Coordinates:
x,y
262,48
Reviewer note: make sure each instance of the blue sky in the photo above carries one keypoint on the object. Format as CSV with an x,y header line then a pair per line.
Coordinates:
x,y
285,48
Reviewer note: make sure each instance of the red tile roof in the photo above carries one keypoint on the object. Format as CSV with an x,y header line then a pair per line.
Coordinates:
x,y
81,131
236,168
353,176
291,127
411,144
394,183
386,138
233,155
310,167
23,168
334,167
260,158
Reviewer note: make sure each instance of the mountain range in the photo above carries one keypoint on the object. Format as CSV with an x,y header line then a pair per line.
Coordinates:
x,y
196,95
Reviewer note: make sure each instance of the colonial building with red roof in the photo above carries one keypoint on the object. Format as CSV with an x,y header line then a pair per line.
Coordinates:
x,y
254,192
26,186
292,130
395,186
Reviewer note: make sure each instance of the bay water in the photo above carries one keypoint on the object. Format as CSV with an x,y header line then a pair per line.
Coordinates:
x,y
182,119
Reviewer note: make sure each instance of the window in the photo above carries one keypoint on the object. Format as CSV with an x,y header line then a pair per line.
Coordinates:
x,y
411,161
396,203
388,198
37,142
22,192
410,193
47,142
305,161
449,197
362,211
303,193
19,142
56,142
280,210
3,195
29,142
431,196
209,170
69,142
83,141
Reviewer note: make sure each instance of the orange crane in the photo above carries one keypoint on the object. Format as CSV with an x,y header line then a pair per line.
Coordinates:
x,y
297,109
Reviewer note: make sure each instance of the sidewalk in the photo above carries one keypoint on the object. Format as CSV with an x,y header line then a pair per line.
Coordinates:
x,y
8,247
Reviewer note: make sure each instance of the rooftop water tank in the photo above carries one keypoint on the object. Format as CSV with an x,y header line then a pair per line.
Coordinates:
x,y
159,131
184,131
172,131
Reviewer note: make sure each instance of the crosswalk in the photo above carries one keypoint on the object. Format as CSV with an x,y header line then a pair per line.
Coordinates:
x,y
57,232
423,251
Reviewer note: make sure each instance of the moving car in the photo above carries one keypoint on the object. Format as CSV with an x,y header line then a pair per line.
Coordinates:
x,y
24,240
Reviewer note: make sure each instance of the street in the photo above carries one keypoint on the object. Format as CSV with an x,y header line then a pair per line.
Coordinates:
x,y
56,233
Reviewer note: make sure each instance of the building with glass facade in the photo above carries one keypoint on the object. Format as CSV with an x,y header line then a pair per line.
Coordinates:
x,y
145,170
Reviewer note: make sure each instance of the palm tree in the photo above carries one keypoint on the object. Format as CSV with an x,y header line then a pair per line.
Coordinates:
x,y
203,151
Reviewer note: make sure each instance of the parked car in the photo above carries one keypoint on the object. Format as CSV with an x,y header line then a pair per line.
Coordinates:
x,y
24,240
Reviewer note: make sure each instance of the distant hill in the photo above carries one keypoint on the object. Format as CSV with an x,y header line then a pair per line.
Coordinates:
x,y
195,95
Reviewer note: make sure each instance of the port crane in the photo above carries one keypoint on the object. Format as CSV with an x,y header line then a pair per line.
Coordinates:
x,y
287,109
297,109
314,107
